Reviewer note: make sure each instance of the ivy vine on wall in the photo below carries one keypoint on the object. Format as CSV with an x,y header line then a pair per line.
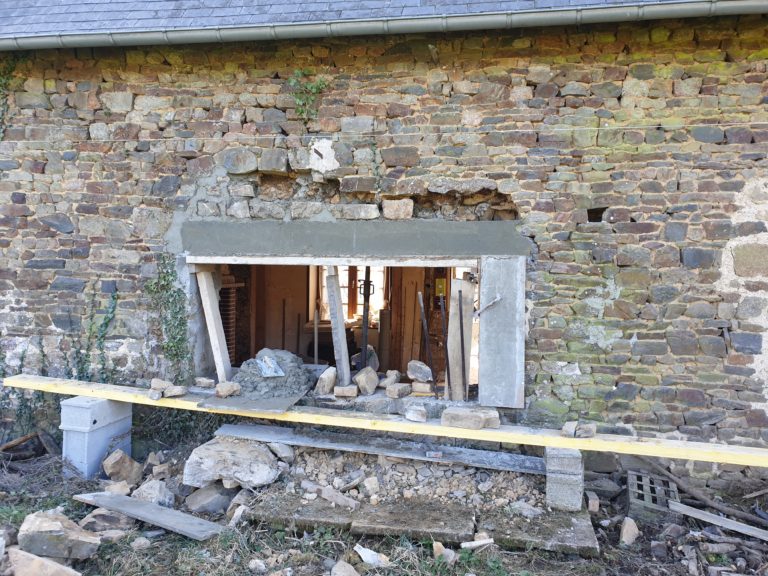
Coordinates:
x,y
171,303
8,65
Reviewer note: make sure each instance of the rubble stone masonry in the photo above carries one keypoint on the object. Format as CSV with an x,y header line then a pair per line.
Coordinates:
x,y
634,156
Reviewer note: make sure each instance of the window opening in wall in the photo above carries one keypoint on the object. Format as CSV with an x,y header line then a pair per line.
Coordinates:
x,y
273,306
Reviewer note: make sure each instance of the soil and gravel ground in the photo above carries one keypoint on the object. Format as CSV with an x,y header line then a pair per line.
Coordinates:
x,y
41,485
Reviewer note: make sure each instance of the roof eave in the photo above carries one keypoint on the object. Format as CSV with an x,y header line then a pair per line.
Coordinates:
x,y
428,24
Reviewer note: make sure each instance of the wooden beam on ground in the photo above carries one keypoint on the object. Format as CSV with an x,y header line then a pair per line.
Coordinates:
x,y
380,446
720,521
179,522
338,327
618,444
210,300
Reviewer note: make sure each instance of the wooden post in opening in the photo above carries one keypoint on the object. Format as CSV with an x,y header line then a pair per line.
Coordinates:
x,y
336,312
210,299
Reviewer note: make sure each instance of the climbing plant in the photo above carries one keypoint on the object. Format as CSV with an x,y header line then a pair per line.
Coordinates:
x,y
305,92
171,303
7,67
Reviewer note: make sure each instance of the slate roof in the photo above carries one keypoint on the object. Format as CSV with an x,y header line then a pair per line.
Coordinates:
x,y
37,18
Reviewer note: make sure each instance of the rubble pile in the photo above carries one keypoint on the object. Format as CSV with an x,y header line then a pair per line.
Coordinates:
x,y
374,479
260,377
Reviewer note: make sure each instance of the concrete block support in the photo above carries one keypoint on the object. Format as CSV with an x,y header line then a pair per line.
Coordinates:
x,y
93,428
565,479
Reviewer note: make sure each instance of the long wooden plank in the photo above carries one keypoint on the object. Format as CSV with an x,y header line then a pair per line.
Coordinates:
x,y
502,332
721,521
656,447
184,524
338,328
387,447
210,300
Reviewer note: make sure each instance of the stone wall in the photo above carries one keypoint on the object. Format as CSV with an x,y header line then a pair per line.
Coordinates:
x,y
634,155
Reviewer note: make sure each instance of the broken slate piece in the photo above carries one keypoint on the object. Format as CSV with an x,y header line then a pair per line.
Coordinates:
x,y
419,371
367,380
471,418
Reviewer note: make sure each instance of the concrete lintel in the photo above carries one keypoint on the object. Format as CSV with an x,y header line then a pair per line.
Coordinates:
x,y
395,243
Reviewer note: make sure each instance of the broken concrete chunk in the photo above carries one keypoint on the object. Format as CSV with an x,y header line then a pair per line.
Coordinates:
x,y
211,499
122,488
249,464
155,491
141,543
629,532
282,451
416,413
26,564
226,389
421,387
326,382
155,395
399,390
419,371
330,494
371,557
522,508
102,519
112,535
372,359
471,418
392,377
446,555
159,384
371,485
121,467
204,382
367,380
342,568
243,498
174,391
346,391
54,535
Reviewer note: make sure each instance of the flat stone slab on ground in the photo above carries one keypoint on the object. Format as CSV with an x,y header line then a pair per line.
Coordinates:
x,y
416,519
564,532
289,510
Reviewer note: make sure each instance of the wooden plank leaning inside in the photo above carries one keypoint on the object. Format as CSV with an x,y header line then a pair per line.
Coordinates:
x,y
657,447
185,524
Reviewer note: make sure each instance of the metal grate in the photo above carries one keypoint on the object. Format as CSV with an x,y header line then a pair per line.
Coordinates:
x,y
228,310
648,497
